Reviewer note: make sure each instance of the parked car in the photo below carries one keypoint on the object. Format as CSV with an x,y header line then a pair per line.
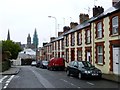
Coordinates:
x,y
38,63
33,63
56,64
44,64
83,69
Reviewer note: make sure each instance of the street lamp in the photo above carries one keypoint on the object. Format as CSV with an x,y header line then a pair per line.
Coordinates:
x,y
55,24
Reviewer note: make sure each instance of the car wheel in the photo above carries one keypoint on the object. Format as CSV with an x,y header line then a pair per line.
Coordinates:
x,y
68,73
80,76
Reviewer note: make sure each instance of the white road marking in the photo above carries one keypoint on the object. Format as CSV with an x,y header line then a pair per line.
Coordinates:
x,y
70,83
5,87
63,80
42,80
71,77
3,79
90,83
8,81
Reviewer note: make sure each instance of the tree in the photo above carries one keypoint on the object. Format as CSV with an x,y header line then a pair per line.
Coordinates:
x,y
10,49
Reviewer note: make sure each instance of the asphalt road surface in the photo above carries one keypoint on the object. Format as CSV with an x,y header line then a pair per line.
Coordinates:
x,y
31,77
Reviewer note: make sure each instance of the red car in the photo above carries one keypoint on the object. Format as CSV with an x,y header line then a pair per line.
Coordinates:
x,y
56,64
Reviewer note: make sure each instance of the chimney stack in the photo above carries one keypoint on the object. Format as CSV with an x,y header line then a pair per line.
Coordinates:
x,y
44,43
83,17
66,28
73,24
52,38
114,2
59,33
97,10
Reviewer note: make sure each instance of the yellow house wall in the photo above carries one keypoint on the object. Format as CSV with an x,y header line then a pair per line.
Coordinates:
x,y
106,66
69,48
75,45
83,44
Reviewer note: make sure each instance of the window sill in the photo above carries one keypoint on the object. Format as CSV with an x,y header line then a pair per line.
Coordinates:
x,y
79,44
88,43
100,64
99,38
73,45
113,35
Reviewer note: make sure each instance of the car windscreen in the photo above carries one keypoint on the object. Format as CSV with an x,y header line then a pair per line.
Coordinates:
x,y
45,62
34,62
87,64
80,64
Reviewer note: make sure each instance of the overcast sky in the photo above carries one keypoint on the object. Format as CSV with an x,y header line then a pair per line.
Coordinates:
x,y
21,17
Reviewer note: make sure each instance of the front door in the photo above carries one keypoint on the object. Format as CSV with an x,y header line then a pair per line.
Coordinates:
x,y
72,55
116,60
88,56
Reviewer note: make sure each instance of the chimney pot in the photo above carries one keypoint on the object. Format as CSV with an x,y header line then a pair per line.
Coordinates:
x,y
83,17
73,24
97,10
59,33
66,28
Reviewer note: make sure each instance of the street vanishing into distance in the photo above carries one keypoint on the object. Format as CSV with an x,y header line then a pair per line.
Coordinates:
x,y
32,77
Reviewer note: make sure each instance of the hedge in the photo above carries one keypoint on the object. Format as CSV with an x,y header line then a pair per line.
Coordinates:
x,y
5,65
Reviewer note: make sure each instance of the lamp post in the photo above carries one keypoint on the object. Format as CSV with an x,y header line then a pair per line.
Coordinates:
x,y
55,24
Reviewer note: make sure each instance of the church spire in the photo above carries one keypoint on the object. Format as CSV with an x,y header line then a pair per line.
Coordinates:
x,y
35,39
8,36
28,40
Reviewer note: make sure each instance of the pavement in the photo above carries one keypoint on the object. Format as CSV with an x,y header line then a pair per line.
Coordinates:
x,y
111,77
12,71
16,69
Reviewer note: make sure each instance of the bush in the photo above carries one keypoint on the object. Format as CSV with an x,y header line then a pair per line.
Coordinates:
x,y
5,65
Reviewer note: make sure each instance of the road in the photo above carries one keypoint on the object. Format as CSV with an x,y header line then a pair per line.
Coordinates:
x,y
32,77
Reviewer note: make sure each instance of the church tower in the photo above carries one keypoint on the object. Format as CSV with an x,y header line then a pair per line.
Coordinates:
x,y
28,41
8,35
35,39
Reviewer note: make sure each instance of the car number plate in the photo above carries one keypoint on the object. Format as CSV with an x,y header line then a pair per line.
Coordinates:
x,y
94,74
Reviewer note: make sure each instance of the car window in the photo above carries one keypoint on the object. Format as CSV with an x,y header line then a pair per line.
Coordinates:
x,y
80,64
33,62
71,63
87,64
46,62
75,64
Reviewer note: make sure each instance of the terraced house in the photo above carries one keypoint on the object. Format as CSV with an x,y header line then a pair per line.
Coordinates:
x,y
106,40
95,39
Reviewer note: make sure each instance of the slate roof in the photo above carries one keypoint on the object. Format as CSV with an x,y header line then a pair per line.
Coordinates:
x,y
58,38
108,11
87,23
80,26
48,44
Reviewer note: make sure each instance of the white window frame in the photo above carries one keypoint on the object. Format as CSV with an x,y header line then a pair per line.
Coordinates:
x,y
67,55
88,36
79,38
99,54
73,39
99,30
67,40
115,25
79,54
62,44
